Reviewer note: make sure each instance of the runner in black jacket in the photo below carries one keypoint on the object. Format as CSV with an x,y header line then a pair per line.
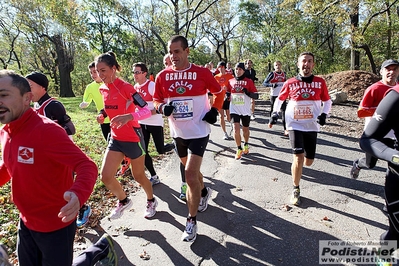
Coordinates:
x,y
383,120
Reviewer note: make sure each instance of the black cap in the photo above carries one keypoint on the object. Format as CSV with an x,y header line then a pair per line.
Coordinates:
x,y
389,62
39,79
221,63
240,65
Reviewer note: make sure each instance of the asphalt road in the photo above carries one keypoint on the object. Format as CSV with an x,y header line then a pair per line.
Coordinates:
x,y
246,222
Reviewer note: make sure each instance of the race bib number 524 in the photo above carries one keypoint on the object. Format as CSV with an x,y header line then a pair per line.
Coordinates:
x,y
183,109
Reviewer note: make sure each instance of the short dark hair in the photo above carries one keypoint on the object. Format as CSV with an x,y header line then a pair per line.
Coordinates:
x,y
181,39
307,53
17,81
91,65
109,58
142,66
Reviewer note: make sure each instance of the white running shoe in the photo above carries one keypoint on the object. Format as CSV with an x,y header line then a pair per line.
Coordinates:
x,y
296,197
120,208
150,210
190,232
225,137
204,200
155,180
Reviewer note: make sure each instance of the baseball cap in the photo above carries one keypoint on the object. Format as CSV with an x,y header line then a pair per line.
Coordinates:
x,y
221,63
240,65
39,79
389,62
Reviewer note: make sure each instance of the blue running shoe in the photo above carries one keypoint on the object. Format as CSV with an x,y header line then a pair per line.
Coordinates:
x,y
83,216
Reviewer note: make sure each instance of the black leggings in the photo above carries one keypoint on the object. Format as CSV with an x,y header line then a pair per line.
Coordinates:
x,y
106,130
392,202
158,138
370,161
283,107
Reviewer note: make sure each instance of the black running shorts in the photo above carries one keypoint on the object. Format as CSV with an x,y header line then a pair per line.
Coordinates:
x,y
192,146
303,142
130,149
245,119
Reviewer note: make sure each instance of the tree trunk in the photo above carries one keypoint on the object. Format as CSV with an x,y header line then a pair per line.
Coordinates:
x,y
355,55
370,56
65,66
389,33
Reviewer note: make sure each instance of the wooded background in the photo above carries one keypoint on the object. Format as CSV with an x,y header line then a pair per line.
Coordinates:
x,y
61,37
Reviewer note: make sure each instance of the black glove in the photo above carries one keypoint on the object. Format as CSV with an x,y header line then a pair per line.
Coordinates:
x,y
275,85
321,119
245,90
166,109
228,94
102,112
211,116
273,118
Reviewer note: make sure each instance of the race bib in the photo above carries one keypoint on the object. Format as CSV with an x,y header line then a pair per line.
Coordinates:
x,y
238,99
183,109
303,112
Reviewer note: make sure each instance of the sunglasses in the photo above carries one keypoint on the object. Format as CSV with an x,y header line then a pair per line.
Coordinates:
x,y
137,72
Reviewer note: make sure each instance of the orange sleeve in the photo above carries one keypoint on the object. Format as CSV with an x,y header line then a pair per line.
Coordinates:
x,y
218,99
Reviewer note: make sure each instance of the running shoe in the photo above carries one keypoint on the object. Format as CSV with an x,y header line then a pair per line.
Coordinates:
x,y
150,210
83,216
125,166
183,191
190,232
105,243
169,147
355,170
238,154
120,208
225,137
203,205
246,149
295,197
155,180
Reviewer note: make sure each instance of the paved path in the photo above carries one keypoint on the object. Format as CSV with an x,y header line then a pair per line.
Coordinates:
x,y
245,223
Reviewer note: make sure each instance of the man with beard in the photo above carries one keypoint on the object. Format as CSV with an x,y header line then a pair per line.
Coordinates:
x,y
307,109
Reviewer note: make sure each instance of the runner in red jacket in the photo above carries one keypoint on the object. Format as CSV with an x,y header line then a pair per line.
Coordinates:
x,y
39,158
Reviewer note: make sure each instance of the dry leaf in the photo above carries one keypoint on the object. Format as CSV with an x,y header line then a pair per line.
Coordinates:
x,y
145,255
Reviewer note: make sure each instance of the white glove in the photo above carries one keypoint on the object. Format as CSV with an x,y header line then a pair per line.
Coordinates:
x,y
83,105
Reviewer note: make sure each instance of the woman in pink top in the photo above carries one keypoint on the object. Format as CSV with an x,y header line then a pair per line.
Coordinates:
x,y
124,110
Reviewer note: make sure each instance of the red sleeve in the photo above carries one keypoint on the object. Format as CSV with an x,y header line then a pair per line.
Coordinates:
x,y
285,90
4,175
252,87
324,96
85,169
367,106
211,83
158,96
